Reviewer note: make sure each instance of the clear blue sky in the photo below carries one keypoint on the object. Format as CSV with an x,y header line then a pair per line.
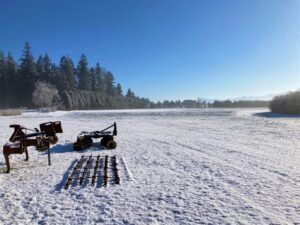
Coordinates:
x,y
167,49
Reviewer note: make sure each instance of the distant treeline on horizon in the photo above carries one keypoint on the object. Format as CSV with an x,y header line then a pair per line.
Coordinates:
x,y
42,83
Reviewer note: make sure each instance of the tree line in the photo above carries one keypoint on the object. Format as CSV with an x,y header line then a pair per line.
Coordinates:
x,y
41,83
30,83
239,104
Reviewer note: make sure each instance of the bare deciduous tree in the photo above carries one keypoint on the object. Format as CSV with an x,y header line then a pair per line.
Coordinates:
x,y
45,95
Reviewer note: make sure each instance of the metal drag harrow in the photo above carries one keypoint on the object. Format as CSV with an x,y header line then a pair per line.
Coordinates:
x,y
100,169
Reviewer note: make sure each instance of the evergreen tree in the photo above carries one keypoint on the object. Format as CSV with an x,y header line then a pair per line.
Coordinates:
x,y
28,75
130,94
100,81
83,74
47,68
66,74
2,79
93,79
109,82
39,67
12,80
119,90
55,75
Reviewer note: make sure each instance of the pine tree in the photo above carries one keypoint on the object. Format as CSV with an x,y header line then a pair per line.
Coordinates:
x,y
12,80
47,69
28,75
130,94
93,79
2,79
39,67
119,90
55,75
109,82
83,74
66,74
99,77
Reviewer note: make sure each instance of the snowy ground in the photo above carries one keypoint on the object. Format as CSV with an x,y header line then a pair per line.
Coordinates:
x,y
181,167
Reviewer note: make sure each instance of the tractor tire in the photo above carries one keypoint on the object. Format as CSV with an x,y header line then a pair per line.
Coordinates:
x,y
84,142
108,142
103,141
53,140
111,144
106,139
88,142
77,146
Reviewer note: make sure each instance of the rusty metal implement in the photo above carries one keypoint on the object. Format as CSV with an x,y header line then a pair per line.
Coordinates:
x,y
85,139
101,170
41,139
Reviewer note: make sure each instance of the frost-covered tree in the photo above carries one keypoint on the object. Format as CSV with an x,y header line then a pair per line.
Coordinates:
x,y
45,95
286,104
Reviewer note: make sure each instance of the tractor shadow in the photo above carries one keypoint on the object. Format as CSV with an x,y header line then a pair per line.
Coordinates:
x,y
59,148
61,184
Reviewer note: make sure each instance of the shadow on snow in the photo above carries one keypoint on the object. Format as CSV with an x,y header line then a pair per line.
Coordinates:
x,y
275,115
59,148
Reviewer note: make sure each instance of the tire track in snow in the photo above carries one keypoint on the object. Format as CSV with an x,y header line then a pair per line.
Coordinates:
x,y
227,184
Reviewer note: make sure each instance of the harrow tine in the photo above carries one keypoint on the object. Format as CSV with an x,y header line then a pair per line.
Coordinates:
x,y
115,169
105,177
95,170
84,171
78,164
88,171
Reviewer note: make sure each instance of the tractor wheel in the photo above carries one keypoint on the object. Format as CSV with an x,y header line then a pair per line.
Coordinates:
x,y
111,144
77,146
106,139
53,140
103,141
87,142
108,142
82,143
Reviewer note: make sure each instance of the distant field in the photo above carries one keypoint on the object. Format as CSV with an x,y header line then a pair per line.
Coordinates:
x,y
209,166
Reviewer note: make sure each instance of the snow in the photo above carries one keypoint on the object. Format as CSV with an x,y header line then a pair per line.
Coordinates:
x,y
182,166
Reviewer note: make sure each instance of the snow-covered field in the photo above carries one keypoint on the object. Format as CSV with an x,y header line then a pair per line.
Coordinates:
x,y
177,167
